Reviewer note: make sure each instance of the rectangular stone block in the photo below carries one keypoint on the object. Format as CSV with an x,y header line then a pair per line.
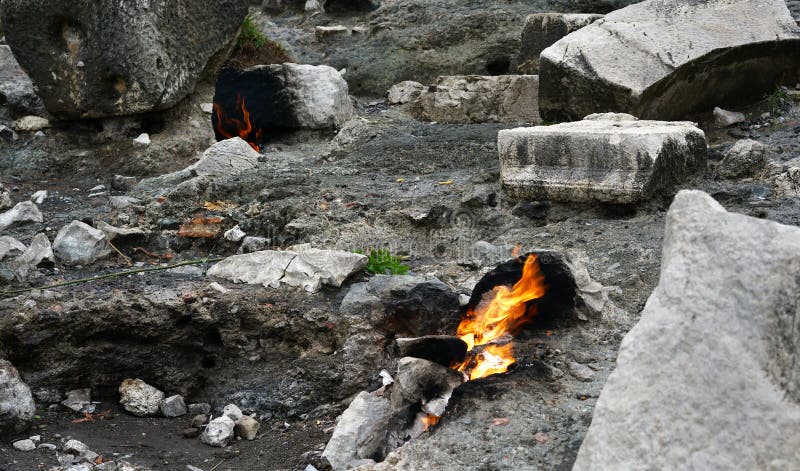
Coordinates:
x,y
611,158
480,99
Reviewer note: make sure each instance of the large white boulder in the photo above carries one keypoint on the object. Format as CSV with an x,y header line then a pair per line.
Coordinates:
x,y
611,158
709,377
664,59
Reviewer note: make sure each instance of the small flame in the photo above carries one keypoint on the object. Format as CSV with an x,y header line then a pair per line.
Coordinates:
x,y
243,128
504,316
430,420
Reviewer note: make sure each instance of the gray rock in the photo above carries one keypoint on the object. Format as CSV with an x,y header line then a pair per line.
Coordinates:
x,y
609,158
310,268
139,398
112,232
235,234
100,64
425,383
479,99
580,372
542,30
173,406
21,213
24,445
143,140
8,134
199,420
10,247
5,198
744,159
38,197
247,427
313,6
232,411
725,118
328,32
78,448
218,432
711,364
16,87
360,432
38,253
664,59
123,183
199,408
31,124
106,466
405,92
253,244
79,400
78,243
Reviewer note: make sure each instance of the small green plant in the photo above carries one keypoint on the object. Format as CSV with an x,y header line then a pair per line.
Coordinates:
x,y
251,33
778,101
382,262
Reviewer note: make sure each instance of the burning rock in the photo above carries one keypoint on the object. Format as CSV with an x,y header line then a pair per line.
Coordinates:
x,y
261,101
91,60
442,349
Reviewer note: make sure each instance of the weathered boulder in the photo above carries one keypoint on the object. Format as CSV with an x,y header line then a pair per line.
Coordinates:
x,y
278,98
404,92
542,30
610,158
78,243
480,99
665,59
744,159
708,378
16,401
139,398
89,59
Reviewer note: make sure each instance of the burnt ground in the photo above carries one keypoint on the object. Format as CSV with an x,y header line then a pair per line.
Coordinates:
x,y
421,189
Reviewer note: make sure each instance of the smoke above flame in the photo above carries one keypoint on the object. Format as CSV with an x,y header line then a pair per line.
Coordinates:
x,y
229,127
492,324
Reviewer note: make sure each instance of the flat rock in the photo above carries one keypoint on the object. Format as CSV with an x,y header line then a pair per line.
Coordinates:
x,y
16,401
665,59
21,213
608,158
542,30
99,63
139,398
78,243
31,124
309,268
711,364
479,99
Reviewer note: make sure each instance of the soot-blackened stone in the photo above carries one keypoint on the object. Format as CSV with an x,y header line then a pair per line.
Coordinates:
x,y
442,349
556,307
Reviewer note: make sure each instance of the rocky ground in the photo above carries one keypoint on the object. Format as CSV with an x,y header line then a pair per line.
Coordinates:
x,y
427,191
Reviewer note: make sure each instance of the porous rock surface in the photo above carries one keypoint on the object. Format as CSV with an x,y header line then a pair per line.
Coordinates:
x,y
664,59
90,59
16,401
711,366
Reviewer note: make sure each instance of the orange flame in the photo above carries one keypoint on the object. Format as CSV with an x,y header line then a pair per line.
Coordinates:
x,y
430,420
503,316
243,127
